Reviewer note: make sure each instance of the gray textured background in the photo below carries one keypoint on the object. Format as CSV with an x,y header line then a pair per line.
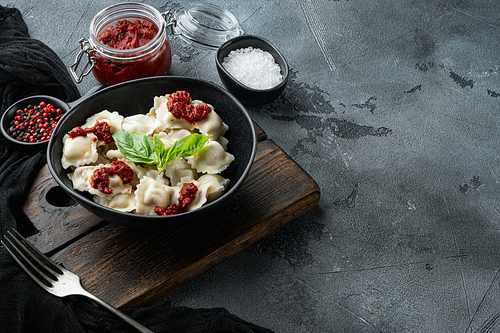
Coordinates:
x,y
393,108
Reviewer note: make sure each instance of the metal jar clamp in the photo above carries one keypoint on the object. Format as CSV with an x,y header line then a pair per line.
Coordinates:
x,y
91,60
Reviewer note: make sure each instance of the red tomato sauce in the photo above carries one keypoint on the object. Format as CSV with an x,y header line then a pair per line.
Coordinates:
x,y
187,195
101,130
129,35
100,176
125,35
179,105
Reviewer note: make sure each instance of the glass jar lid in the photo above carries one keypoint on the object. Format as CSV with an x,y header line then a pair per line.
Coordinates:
x,y
205,25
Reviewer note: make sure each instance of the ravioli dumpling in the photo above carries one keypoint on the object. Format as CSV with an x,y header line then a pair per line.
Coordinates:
x,y
140,123
143,172
211,159
114,120
179,171
223,142
201,197
167,119
150,193
216,185
124,202
101,158
81,178
169,138
79,151
116,185
212,125
114,154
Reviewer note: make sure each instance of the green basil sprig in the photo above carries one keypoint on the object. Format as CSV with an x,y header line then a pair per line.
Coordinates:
x,y
139,148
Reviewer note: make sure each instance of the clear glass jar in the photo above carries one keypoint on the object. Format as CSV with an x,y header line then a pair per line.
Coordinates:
x,y
205,25
111,65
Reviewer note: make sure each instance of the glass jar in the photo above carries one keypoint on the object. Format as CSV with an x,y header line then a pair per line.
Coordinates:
x,y
111,65
205,25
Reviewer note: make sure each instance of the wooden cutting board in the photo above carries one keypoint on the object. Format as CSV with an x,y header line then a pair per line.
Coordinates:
x,y
130,268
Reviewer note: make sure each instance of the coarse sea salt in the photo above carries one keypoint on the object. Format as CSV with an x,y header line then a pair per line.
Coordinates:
x,y
253,67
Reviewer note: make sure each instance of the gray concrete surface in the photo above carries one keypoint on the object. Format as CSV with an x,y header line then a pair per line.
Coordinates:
x,y
393,108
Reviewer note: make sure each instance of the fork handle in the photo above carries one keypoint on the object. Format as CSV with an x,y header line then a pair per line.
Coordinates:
x,y
117,312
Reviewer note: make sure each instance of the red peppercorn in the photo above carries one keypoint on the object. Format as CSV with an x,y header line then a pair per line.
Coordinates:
x,y
35,123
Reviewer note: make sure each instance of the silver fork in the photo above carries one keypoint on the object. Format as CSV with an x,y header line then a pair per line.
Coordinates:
x,y
52,277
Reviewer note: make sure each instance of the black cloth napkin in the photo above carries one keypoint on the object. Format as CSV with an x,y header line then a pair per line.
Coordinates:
x,y
29,67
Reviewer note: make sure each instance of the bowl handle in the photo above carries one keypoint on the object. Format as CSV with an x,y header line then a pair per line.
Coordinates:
x,y
87,94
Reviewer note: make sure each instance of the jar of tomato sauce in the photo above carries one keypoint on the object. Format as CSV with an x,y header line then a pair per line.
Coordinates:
x,y
127,41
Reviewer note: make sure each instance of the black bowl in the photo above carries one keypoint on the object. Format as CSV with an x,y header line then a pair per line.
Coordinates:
x,y
136,97
11,112
247,95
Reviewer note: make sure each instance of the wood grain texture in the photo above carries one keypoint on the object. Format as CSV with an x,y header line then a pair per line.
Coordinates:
x,y
130,268
58,219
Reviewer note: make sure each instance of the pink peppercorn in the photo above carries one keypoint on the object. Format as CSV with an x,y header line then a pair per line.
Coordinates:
x,y
35,123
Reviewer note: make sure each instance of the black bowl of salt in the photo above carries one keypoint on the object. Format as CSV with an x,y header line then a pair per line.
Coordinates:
x,y
252,69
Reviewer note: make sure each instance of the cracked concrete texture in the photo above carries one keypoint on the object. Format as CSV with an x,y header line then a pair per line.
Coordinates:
x,y
401,136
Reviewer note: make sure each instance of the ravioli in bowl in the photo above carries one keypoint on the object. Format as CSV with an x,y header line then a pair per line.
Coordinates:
x,y
142,155
165,162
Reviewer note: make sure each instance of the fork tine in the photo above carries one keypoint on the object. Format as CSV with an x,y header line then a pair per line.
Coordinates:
x,y
43,284
63,284
22,250
42,258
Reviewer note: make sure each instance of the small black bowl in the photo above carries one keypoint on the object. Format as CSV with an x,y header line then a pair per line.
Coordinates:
x,y
11,112
247,95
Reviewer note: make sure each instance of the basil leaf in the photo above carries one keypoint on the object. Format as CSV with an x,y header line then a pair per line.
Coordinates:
x,y
160,152
137,147
187,146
